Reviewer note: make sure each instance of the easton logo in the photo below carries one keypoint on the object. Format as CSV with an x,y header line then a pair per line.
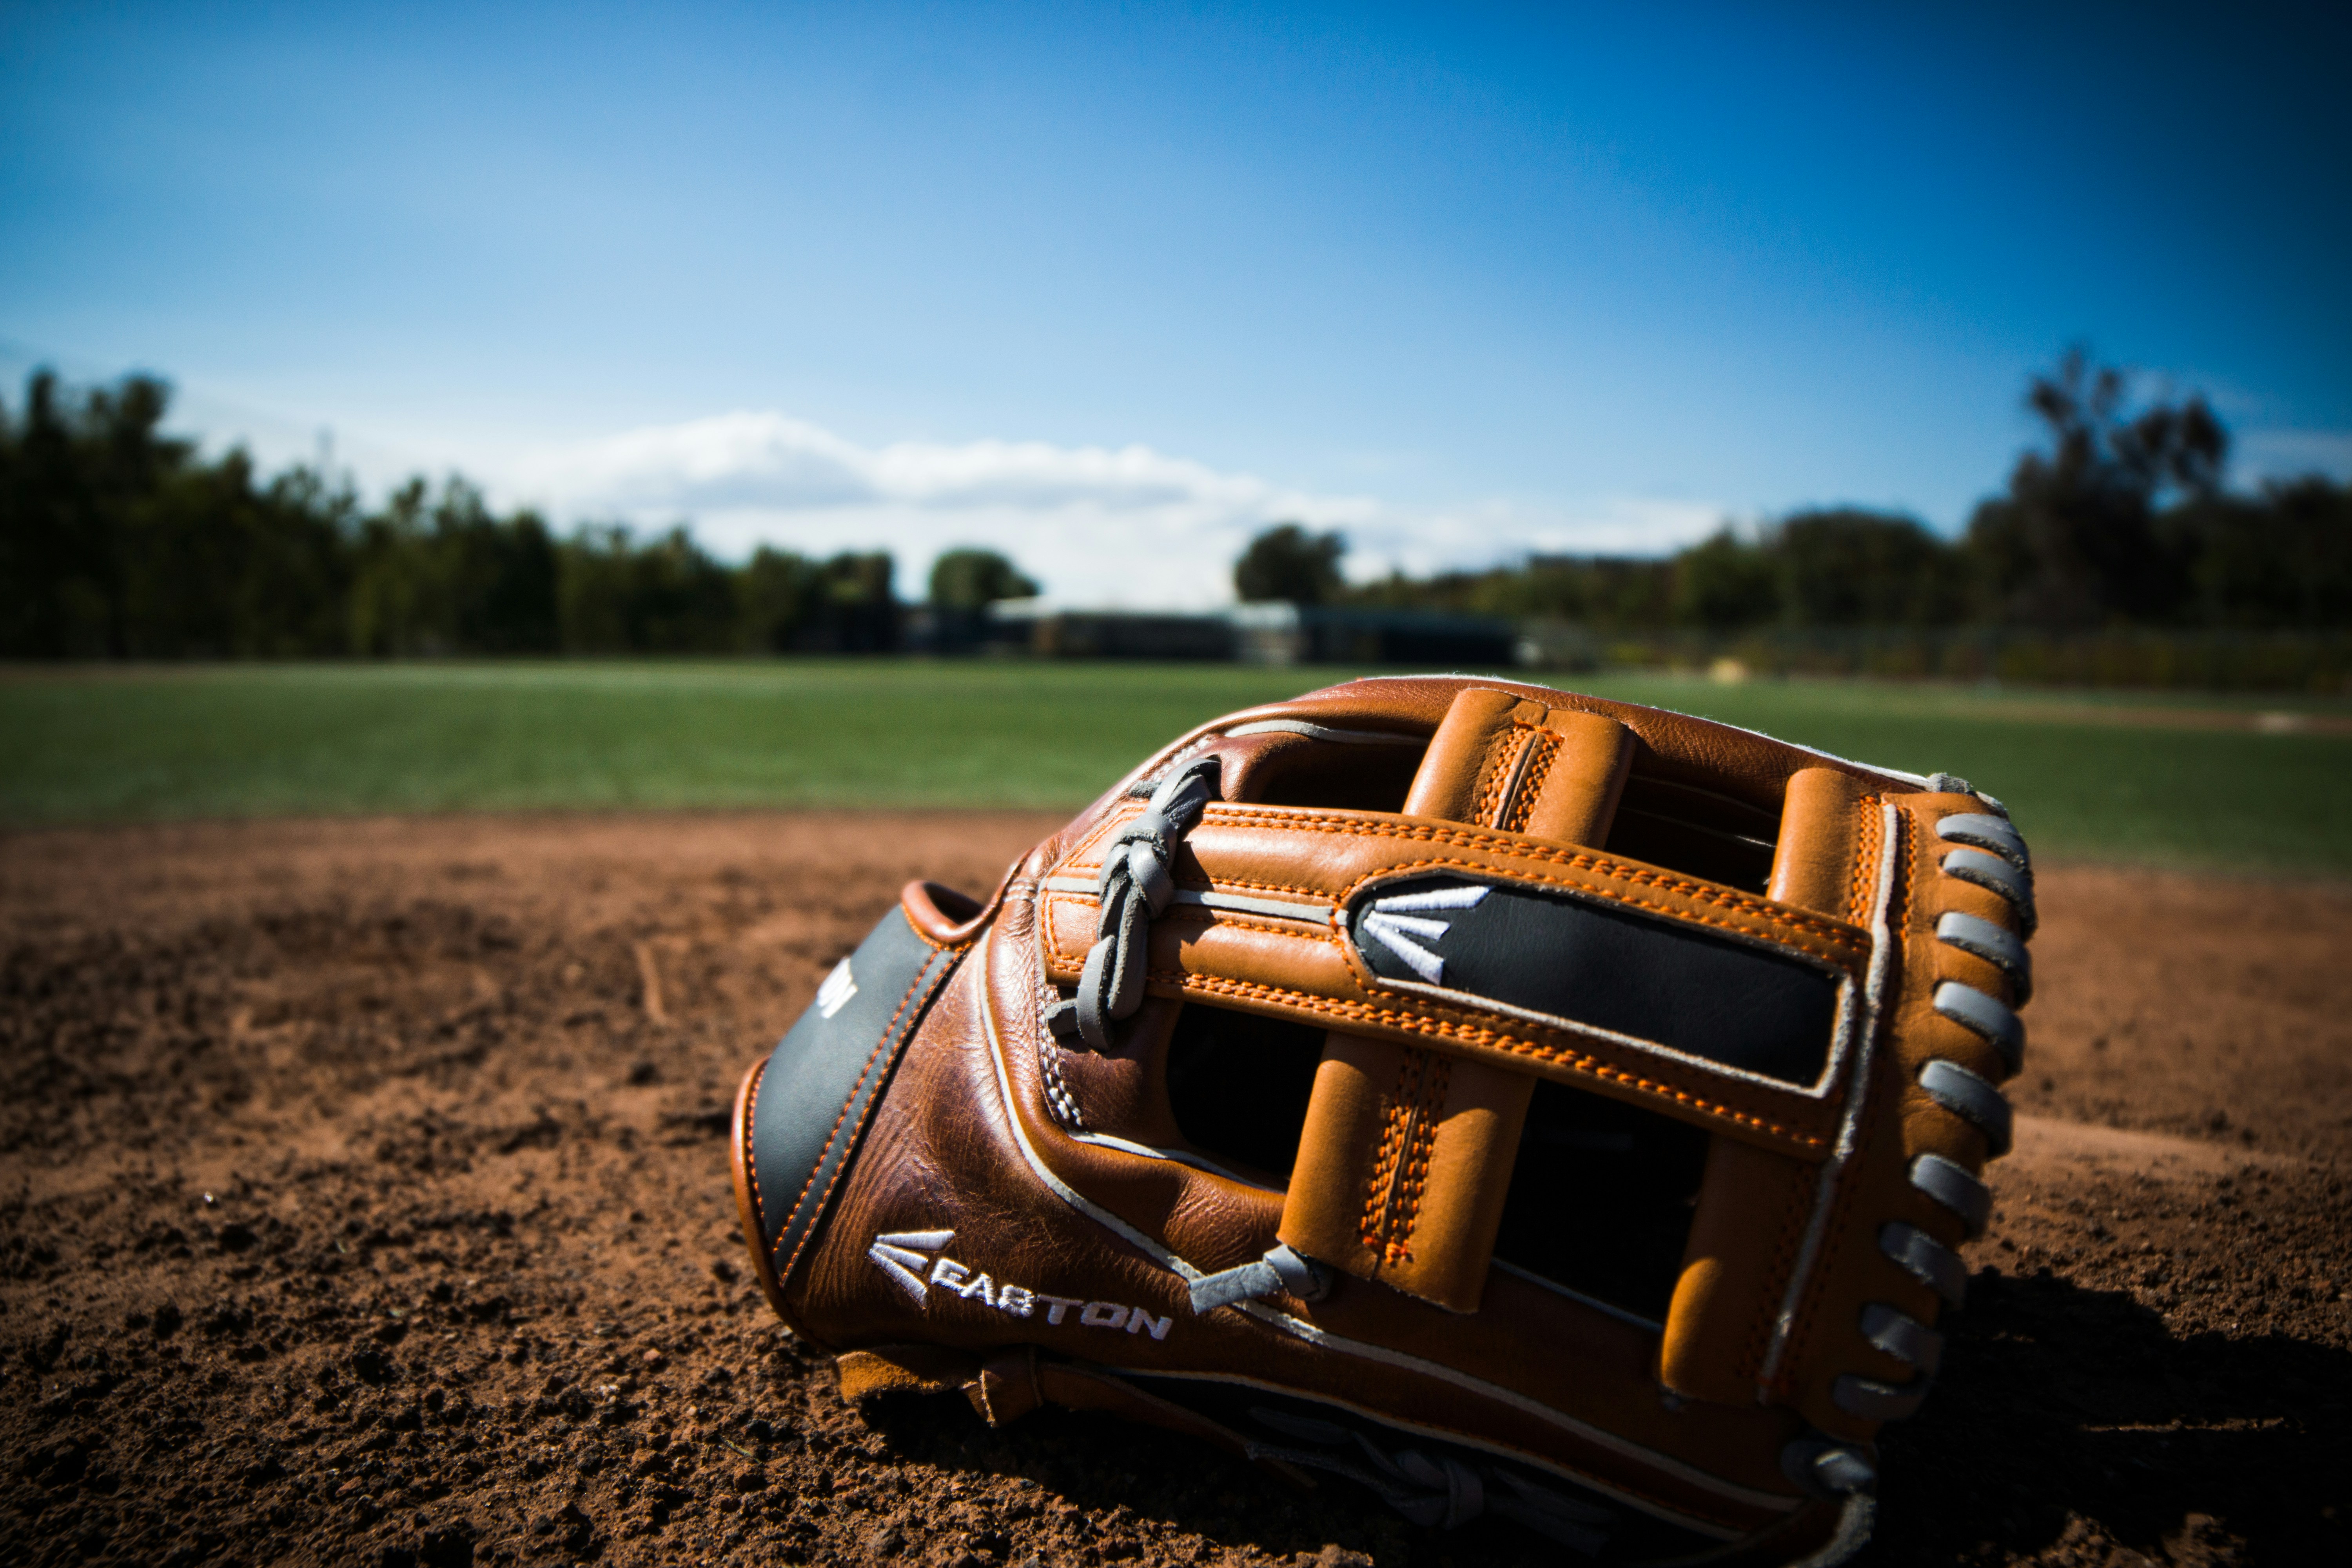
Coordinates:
x,y
839,986
1398,924
908,1257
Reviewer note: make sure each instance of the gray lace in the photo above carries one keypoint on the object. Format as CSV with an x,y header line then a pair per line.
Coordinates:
x,y
1138,882
1991,855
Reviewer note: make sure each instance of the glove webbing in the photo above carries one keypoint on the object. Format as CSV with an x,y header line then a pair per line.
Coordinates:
x,y
1135,883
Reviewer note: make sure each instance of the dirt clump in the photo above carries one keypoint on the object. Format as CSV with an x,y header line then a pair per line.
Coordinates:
x,y
363,1199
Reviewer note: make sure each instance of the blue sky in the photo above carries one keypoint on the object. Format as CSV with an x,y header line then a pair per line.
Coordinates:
x,y
1112,286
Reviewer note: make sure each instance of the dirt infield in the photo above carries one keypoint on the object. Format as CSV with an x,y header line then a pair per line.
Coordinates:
x,y
363,1199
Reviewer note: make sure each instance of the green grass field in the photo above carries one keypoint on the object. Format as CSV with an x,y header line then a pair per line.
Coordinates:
x,y
131,745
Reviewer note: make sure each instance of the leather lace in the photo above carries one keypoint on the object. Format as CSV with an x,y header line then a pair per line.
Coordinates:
x,y
1138,882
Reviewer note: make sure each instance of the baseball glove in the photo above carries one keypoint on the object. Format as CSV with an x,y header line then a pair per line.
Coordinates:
x,y
1515,1103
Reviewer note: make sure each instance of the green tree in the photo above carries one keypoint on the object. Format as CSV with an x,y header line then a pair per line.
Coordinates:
x,y
2075,542
973,579
213,564
614,595
1286,562
1725,583
857,611
2277,560
443,574
117,540
775,596
1847,567
72,473
1603,591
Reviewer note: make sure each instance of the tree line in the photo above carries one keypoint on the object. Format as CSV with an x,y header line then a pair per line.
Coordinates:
x,y
2118,519
118,541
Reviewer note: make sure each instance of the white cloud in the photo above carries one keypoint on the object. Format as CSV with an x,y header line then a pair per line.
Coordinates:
x,y
1127,525
1102,526
2291,454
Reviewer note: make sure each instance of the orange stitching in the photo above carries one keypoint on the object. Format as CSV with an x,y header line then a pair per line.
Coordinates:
x,y
1239,922
1045,924
1472,1033
1865,862
1909,842
1400,1163
751,1120
1484,806
834,1132
942,946
1416,827
1396,1117
843,1169
1825,935
1106,825
1219,884
1435,832
1836,934
1216,883
1839,937
1413,1179
1850,1186
1546,744
830,1134
1491,1040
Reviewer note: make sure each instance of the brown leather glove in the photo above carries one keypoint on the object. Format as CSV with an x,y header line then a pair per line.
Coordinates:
x,y
1514,1102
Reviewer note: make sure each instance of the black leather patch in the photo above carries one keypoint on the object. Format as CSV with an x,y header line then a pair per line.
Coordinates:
x,y
1611,968
820,1083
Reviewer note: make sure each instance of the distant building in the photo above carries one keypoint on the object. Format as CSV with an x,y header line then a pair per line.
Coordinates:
x,y
1252,633
1048,630
1347,634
